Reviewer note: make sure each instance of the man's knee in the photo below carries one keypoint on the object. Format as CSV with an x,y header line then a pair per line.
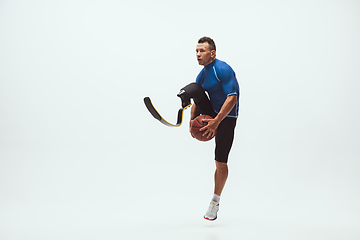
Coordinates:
x,y
221,166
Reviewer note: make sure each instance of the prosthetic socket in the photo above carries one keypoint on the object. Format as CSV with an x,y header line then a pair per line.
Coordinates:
x,y
197,93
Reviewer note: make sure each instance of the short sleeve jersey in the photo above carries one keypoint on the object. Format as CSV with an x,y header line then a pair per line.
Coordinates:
x,y
219,81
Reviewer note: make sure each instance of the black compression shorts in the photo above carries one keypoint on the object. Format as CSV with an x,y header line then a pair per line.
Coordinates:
x,y
225,131
224,139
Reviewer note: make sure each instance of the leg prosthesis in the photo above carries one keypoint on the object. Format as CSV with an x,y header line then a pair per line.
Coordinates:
x,y
191,91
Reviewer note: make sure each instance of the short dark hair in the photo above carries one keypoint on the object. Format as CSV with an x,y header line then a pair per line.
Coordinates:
x,y
209,41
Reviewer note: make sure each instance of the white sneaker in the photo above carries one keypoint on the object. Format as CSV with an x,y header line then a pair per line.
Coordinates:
x,y
211,213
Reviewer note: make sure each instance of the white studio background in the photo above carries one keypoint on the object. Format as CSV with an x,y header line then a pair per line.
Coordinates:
x,y
81,158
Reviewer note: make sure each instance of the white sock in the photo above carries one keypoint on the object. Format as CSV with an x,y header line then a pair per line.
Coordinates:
x,y
216,198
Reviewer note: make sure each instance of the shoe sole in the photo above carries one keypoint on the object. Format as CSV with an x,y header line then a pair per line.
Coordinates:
x,y
210,219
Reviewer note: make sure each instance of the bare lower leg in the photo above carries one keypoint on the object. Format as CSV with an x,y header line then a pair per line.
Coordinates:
x,y
221,174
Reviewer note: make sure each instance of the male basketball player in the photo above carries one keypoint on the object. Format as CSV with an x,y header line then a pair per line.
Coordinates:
x,y
218,79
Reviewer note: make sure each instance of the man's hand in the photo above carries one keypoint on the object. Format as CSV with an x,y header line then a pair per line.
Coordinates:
x,y
194,113
191,121
210,128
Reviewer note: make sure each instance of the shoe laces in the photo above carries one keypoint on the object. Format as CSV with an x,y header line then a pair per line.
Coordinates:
x,y
213,206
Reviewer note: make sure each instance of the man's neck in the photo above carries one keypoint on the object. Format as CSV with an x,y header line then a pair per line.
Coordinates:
x,y
210,62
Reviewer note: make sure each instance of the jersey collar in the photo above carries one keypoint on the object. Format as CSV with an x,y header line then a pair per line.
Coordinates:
x,y
210,65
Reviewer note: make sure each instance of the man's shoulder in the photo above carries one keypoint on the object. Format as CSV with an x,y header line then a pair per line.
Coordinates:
x,y
199,76
201,72
222,67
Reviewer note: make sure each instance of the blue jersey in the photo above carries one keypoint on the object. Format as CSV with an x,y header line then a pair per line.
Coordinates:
x,y
219,81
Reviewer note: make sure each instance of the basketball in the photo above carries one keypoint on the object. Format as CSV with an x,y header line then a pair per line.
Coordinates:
x,y
196,125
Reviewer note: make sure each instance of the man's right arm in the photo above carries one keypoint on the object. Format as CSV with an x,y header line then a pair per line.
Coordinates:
x,y
194,113
194,109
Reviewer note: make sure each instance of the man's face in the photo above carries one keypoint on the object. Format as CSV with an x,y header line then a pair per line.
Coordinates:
x,y
203,54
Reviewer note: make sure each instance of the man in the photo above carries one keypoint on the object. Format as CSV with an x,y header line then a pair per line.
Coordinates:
x,y
218,79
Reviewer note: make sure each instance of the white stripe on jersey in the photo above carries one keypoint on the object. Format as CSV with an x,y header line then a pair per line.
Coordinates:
x,y
216,74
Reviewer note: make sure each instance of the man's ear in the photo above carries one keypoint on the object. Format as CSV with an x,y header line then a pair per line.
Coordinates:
x,y
213,53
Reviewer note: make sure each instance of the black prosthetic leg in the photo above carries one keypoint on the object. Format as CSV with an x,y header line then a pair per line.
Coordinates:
x,y
192,90
197,93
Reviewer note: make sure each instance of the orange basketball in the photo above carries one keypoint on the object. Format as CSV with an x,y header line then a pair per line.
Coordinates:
x,y
196,125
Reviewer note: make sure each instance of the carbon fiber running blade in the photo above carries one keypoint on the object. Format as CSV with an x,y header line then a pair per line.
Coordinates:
x,y
157,115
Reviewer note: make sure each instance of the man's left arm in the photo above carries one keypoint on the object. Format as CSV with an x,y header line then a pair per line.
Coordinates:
x,y
226,76
226,108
